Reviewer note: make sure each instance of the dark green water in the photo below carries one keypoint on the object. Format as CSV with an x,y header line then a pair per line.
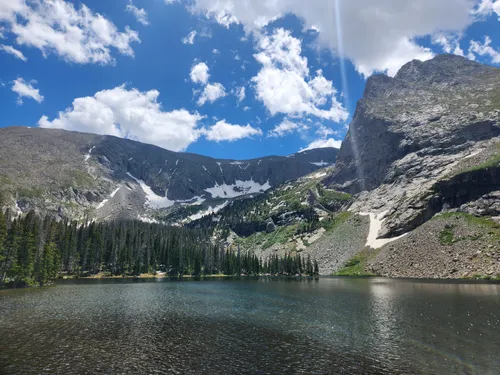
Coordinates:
x,y
252,326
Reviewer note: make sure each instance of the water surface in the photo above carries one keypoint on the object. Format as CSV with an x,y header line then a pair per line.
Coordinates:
x,y
251,326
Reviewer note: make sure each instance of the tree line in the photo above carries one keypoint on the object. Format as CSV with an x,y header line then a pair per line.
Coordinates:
x,y
35,250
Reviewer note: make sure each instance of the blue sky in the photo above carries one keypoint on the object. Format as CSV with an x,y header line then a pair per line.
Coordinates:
x,y
173,73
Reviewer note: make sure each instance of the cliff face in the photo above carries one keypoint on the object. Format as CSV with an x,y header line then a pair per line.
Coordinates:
x,y
78,175
412,133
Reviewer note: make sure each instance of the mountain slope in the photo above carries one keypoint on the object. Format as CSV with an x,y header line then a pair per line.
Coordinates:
x,y
76,174
431,122
422,157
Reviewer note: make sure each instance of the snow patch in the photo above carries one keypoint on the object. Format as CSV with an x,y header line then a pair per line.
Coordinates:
x,y
376,221
87,157
208,211
320,163
101,205
148,220
260,161
317,175
153,200
220,168
247,166
238,189
473,154
206,170
130,159
115,191
177,162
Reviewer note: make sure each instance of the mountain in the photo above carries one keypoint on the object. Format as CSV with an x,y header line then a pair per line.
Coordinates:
x,y
421,144
415,189
79,175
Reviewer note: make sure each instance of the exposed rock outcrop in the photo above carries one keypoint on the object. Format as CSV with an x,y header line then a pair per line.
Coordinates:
x,y
413,138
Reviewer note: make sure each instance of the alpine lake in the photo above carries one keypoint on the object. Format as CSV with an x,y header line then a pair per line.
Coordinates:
x,y
249,325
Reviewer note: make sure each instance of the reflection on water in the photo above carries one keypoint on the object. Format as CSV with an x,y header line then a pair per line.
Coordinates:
x,y
251,326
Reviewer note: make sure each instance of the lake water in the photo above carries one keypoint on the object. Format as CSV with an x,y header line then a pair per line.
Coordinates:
x,y
251,326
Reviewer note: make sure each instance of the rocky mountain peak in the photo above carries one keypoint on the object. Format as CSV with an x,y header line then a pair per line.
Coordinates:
x,y
444,68
409,131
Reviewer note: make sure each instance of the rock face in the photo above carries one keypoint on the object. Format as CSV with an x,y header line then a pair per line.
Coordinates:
x,y
422,142
75,174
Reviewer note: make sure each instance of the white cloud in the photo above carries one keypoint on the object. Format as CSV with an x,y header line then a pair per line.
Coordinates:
x,y
240,93
375,35
140,14
129,114
484,49
189,39
322,143
450,44
211,93
199,73
324,131
222,131
487,7
284,128
284,84
215,51
13,51
76,35
25,89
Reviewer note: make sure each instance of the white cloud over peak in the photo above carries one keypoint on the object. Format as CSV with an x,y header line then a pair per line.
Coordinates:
x,y
13,51
222,131
211,93
25,89
450,44
484,49
284,83
323,143
57,27
129,113
140,14
375,35
189,39
199,73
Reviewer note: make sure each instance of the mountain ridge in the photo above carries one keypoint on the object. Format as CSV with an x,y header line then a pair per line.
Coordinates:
x,y
84,170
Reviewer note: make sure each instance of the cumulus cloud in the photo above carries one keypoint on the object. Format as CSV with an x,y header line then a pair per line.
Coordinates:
x,y
76,35
129,113
211,93
140,14
13,51
25,89
215,51
284,128
484,49
284,83
199,73
222,131
323,143
375,35
189,39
